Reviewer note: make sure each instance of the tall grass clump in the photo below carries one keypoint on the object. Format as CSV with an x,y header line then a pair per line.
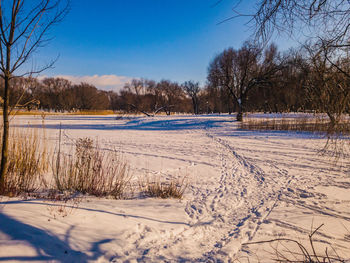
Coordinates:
x,y
173,188
89,170
28,161
92,112
292,250
314,125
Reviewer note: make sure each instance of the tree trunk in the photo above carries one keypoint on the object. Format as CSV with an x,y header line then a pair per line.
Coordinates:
x,y
5,135
195,107
239,114
241,103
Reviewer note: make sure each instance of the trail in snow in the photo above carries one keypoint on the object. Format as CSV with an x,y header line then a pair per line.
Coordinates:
x,y
224,214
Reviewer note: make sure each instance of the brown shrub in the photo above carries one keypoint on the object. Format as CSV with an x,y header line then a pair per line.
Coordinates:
x,y
315,125
28,160
173,188
89,170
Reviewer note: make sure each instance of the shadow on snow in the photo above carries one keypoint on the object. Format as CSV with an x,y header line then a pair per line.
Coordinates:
x,y
48,246
143,124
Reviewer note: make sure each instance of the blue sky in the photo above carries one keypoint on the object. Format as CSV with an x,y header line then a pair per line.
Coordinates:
x,y
154,39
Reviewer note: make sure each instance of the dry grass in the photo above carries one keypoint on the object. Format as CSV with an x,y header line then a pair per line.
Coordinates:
x,y
89,170
31,113
92,112
40,112
314,125
62,208
292,250
173,188
28,161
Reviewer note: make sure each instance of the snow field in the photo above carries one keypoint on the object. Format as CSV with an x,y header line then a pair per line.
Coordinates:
x,y
243,187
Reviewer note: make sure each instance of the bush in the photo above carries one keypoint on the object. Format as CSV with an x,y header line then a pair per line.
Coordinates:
x,y
174,188
316,125
27,161
292,250
89,170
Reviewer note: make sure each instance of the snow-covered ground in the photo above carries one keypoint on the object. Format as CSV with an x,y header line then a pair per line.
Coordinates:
x,y
243,187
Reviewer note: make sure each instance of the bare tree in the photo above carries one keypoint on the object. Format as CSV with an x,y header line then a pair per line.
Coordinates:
x,y
326,26
172,96
326,20
23,29
192,89
239,71
141,95
55,89
328,85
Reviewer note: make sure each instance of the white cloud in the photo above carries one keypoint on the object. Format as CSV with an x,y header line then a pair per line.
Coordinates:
x,y
105,82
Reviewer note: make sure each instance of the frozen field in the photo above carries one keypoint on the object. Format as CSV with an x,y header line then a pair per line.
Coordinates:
x,y
243,187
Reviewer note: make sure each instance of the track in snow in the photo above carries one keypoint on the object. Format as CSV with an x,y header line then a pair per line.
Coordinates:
x,y
222,216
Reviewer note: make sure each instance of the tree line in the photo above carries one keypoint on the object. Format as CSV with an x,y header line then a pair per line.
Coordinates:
x,y
251,78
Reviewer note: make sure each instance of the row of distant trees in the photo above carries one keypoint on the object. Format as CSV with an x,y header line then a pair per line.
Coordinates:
x,y
250,78
55,94
316,78
61,95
